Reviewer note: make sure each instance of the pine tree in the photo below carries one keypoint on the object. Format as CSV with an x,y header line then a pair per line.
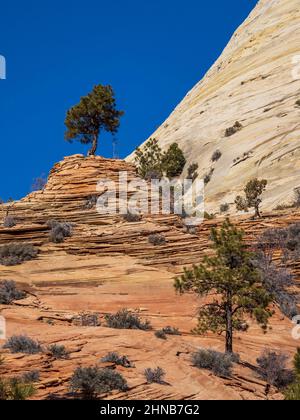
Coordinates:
x,y
231,277
173,161
95,112
253,192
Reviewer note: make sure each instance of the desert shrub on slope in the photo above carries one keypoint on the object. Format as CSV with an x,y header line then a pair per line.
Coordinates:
x,y
58,351
253,196
157,239
235,283
216,156
220,364
17,253
272,368
31,377
155,375
9,222
22,344
116,359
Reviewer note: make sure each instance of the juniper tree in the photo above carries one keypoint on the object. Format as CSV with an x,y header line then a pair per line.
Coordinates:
x,y
95,112
253,192
234,282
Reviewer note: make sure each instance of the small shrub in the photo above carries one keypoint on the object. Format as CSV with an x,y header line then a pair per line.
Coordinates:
x,y
292,393
17,253
31,377
173,161
171,331
117,360
91,202
207,177
132,217
224,208
93,381
58,351
9,292
125,320
272,368
216,156
234,129
9,222
209,216
148,160
298,102
59,231
15,389
87,320
219,363
161,335
157,239
22,344
192,171
297,197
155,375
39,184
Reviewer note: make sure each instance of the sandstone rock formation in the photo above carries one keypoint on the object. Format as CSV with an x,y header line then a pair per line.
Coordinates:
x,y
108,264
255,82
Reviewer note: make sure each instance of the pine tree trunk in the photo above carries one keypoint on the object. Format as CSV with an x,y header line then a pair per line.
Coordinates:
x,y
229,328
93,149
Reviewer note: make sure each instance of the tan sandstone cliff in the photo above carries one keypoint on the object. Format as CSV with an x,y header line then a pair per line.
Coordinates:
x,y
256,82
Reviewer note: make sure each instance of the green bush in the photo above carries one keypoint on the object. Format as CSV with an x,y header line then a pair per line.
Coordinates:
x,y
17,253
91,382
31,377
171,331
173,161
157,239
126,320
207,177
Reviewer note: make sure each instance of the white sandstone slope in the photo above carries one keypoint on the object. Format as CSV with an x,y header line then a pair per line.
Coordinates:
x,y
256,81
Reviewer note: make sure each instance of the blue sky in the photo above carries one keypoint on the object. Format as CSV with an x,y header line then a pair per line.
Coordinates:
x,y
151,52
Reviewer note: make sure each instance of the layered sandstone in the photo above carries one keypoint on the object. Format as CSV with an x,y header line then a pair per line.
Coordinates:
x,y
108,264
